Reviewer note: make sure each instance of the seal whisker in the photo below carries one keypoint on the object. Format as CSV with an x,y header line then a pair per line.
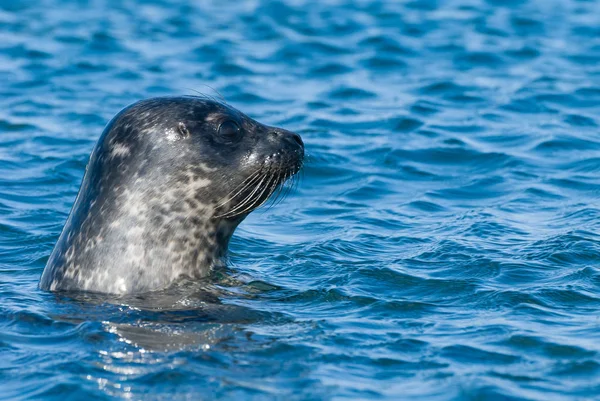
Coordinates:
x,y
249,198
279,179
252,200
276,189
247,182
221,97
207,96
281,190
274,185
278,192
289,188
257,201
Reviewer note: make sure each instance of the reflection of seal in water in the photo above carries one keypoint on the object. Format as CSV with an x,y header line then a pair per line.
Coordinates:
x,y
166,185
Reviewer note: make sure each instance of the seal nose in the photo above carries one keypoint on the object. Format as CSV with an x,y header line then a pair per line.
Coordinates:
x,y
296,138
291,138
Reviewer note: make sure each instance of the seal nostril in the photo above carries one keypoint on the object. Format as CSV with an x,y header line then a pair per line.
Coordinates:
x,y
296,138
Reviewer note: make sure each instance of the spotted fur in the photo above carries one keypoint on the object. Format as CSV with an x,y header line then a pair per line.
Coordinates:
x,y
163,193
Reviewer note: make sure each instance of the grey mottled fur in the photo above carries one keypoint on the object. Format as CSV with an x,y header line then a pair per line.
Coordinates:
x,y
157,180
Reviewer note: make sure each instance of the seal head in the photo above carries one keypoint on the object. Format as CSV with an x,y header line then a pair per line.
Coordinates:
x,y
165,187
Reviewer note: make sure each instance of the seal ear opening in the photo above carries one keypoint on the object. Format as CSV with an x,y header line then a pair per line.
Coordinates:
x,y
183,131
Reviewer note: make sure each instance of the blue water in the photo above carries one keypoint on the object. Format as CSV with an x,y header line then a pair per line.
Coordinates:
x,y
443,243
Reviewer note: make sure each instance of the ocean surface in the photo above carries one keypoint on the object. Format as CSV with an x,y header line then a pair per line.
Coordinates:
x,y
442,244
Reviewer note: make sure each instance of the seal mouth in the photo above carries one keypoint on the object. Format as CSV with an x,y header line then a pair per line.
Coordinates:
x,y
271,178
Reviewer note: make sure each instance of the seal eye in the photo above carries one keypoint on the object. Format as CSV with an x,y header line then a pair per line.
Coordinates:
x,y
230,131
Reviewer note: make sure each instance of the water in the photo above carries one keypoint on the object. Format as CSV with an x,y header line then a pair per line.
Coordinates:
x,y
443,243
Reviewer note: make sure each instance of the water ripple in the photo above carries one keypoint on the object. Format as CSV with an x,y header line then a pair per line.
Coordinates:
x,y
442,244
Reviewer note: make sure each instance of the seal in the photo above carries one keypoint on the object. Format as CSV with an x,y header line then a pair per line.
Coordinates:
x,y
166,185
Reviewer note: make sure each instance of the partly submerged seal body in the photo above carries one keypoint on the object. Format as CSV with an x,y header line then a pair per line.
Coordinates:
x,y
165,187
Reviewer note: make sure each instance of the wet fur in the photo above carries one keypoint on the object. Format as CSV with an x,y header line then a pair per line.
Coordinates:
x,y
162,196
